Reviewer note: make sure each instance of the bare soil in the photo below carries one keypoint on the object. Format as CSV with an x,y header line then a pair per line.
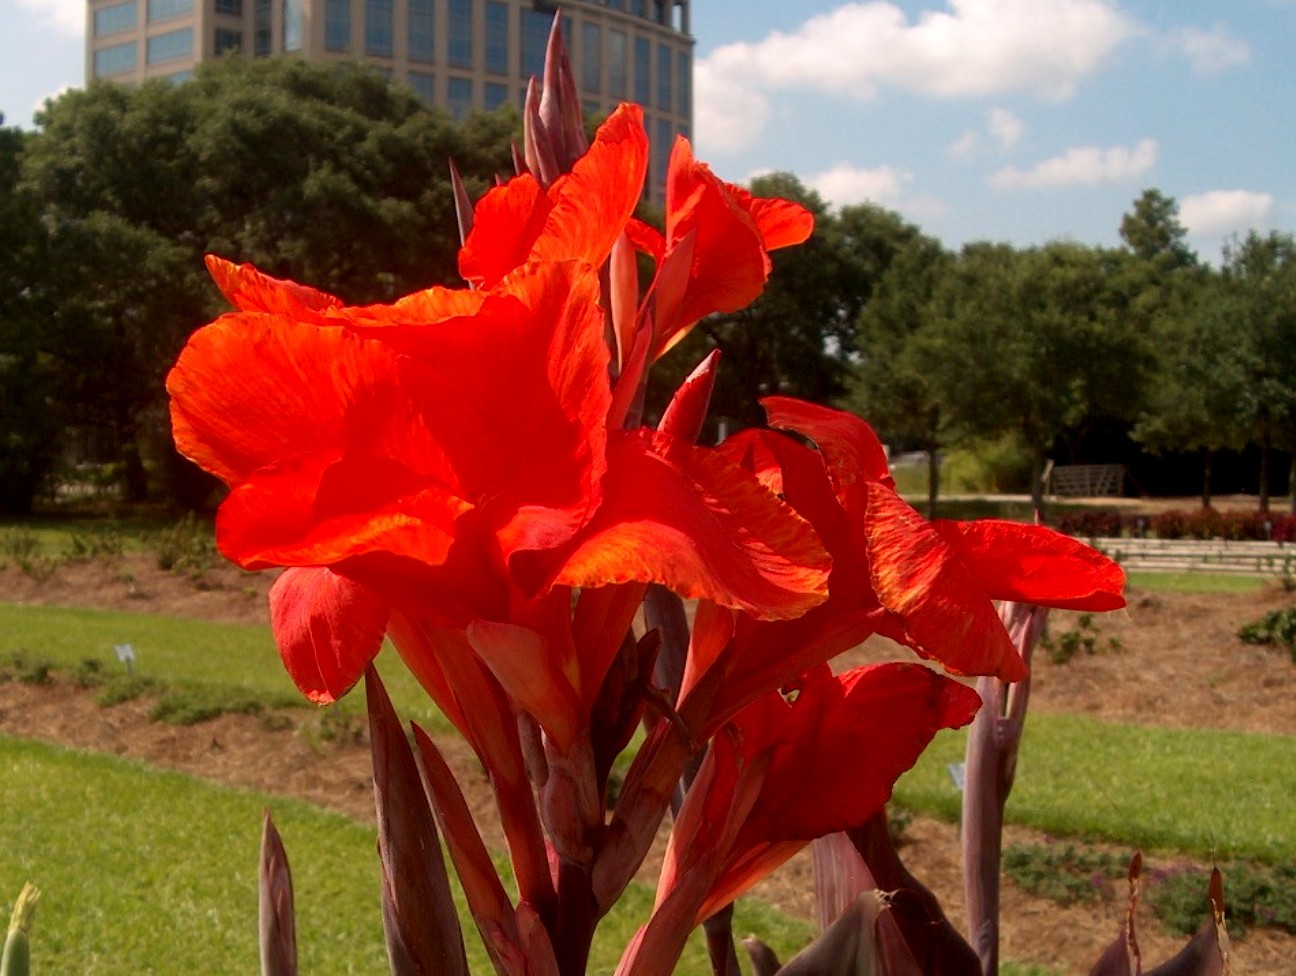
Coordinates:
x,y
1179,664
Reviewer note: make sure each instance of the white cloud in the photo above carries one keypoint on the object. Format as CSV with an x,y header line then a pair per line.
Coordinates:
x,y
1003,127
1082,166
966,145
970,48
1006,128
65,16
1210,51
727,114
845,184
1225,211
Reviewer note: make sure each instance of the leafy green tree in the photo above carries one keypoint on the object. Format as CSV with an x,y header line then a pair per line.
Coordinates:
x,y
1039,342
799,338
897,388
1154,233
324,173
29,420
1198,397
1260,276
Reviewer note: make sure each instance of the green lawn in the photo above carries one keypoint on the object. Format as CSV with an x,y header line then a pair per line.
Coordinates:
x,y
1198,582
193,654
144,870
1203,793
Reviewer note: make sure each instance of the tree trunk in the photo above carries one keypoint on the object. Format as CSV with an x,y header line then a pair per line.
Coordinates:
x,y
1291,481
1037,481
1264,469
1208,461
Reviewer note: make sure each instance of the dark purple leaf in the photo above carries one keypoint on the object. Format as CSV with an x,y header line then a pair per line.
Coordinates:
x,y
419,917
278,929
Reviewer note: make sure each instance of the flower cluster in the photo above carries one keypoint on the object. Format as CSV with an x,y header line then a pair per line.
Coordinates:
x,y
462,471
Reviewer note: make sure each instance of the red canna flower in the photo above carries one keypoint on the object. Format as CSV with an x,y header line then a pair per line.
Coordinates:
x,y
715,254
793,766
449,456
927,585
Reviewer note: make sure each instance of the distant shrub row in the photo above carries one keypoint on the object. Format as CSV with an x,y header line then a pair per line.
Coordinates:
x,y
1201,523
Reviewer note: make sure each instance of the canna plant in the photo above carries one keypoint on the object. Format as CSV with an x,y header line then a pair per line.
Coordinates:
x,y
467,473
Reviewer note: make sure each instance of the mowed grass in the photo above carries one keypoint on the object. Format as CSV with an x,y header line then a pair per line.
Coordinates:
x,y
1198,582
223,661
1203,793
144,870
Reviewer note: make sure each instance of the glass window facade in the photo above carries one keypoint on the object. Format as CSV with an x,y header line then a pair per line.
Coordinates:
x,y
591,57
261,36
170,46
617,63
337,25
535,35
460,50
168,9
663,140
459,97
423,84
232,7
642,77
683,84
115,59
379,28
421,36
227,40
114,18
292,25
496,95
497,37
664,77
639,8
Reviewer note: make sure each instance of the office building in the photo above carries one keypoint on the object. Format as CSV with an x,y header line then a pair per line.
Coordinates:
x,y
462,55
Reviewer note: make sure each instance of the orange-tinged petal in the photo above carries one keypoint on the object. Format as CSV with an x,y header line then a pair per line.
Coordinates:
x,y
1035,564
579,217
251,389
518,400
729,264
506,222
921,578
782,223
328,628
314,511
593,203
682,516
838,746
522,662
852,449
250,290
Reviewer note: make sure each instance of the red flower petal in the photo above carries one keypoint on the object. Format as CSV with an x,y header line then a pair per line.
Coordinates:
x,y
533,676
309,511
328,628
506,222
918,576
250,290
517,398
251,389
681,516
1034,564
838,748
579,217
853,451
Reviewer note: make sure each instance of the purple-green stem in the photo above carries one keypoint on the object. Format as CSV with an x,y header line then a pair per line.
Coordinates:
x,y
991,764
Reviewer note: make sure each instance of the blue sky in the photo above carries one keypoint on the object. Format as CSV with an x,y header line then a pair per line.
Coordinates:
x,y
1017,120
